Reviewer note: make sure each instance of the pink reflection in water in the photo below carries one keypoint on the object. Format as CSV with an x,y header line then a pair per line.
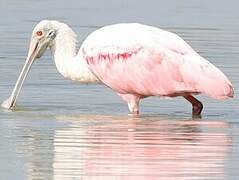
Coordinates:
x,y
141,149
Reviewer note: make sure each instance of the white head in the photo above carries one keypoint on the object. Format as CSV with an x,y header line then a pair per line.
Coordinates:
x,y
43,36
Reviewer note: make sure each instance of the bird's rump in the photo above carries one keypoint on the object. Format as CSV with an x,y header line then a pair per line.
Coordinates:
x,y
207,78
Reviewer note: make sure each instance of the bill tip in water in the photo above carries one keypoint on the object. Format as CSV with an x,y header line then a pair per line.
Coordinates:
x,y
7,104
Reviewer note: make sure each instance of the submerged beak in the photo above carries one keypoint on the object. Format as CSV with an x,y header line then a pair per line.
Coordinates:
x,y
36,49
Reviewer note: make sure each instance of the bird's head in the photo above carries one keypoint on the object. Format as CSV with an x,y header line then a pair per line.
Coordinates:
x,y
43,36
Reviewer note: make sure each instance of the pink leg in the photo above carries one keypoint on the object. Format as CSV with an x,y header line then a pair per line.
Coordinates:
x,y
196,104
133,102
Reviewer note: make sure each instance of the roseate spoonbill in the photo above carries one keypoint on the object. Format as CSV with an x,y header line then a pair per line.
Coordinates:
x,y
134,60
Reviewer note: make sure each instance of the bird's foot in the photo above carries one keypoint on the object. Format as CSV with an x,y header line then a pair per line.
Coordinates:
x,y
197,109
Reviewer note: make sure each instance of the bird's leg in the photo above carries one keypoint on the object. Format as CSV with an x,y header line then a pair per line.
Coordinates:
x,y
133,102
133,107
196,104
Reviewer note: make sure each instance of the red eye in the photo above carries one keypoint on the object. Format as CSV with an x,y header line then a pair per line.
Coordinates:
x,y
39,33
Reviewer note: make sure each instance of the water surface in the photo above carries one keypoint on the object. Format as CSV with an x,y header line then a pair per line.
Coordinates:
x,y
65,130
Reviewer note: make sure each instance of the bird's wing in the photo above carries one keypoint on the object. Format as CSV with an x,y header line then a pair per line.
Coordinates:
x,y
160,64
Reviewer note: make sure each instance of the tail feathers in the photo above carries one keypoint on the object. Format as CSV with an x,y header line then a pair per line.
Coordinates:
x,y
206,78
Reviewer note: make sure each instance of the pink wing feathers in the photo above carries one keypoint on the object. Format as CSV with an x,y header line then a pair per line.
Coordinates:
x,y
147,61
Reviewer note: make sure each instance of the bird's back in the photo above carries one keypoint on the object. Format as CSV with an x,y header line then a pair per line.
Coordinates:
x,y
128,35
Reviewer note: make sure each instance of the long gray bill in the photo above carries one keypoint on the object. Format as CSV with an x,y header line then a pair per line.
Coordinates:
x,y
11,101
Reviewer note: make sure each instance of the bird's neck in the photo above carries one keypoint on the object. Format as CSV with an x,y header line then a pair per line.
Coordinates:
x,y
70,64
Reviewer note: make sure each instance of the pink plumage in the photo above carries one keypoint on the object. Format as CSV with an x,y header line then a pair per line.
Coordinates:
x,y
142,61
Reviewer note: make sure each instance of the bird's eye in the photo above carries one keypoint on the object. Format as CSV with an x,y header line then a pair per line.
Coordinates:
x,y
39,33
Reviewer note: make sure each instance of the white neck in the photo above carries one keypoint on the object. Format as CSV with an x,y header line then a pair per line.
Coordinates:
x,y
70,65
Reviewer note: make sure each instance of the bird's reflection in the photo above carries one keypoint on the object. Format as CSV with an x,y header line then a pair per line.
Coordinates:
x,y
107,147
96,147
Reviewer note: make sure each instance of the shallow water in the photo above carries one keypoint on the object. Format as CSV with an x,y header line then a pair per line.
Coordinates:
x,y
64,130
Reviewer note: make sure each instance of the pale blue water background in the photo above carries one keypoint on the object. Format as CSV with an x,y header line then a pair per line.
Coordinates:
x,y
64,130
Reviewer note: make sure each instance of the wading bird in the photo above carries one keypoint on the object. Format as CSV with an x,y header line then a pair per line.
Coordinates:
x,y
134,60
